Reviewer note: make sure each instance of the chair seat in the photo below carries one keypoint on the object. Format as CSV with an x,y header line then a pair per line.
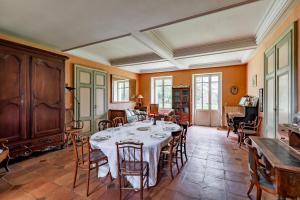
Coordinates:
x,y
130,167
166,150
265,183
96,155
249,132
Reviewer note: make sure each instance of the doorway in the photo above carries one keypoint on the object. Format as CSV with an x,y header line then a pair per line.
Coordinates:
x,y
279,84
207,106
91,93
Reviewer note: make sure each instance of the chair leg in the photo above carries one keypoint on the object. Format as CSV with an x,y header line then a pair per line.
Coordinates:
x,y
88,183
185,154
181,154
148,177
75,175
176,160
6,164
250,188
142,187
170,162
258,195
120,187
228,131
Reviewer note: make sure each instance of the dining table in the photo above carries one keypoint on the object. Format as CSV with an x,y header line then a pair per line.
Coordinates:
x,y
153,137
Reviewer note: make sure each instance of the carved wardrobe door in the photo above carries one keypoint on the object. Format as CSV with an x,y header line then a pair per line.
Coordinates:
x,y
13,98
47,96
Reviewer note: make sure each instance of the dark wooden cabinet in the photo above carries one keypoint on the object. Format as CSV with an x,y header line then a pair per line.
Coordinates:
x,y
31,98
181,103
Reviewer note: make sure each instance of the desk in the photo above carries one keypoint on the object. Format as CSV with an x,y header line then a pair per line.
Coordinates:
x,y
285,162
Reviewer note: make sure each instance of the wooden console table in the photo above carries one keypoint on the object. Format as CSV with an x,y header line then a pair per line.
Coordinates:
x,y
285,162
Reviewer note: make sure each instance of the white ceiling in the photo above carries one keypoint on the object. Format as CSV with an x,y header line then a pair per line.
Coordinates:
x,y
68,23
142,36
221,26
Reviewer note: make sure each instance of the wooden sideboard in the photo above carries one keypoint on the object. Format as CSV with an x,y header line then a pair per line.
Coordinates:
x,y
32,103
285,163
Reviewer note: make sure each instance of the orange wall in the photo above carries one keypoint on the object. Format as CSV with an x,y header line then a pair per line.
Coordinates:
x,y
231,75
256,63
69,70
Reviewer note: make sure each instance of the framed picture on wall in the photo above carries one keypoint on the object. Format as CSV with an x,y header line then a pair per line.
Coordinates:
x,y
261,100
254,80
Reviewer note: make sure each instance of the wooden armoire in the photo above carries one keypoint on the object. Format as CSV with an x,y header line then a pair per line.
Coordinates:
x,y
32,101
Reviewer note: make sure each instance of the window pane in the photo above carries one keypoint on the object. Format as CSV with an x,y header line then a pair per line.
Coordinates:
x,y
168,82
158,82
168,97
199,79
205,79
214,78
205,96
158,96
126,83
214,96
199,95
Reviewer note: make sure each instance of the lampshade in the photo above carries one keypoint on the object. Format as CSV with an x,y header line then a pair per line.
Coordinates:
x,y
140,96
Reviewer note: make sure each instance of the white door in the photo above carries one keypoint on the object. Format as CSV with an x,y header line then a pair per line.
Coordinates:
x,y
207,99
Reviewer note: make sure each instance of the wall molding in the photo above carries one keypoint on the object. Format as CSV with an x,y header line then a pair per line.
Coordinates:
x,y
276,10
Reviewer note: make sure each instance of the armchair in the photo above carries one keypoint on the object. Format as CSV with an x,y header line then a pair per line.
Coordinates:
x,y
249,129
4,154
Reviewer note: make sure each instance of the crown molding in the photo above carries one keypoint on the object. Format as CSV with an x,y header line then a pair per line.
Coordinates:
x,y
272,16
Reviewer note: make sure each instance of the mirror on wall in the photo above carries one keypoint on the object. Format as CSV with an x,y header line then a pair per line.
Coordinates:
x,y
123,89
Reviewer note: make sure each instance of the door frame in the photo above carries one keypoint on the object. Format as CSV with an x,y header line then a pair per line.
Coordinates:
x,y
292,31
93,84
220,93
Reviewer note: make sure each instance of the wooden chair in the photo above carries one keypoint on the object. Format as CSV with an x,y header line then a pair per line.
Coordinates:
x,y
118,120
104,124
182,145
69,125
229,124
87,159
131,163
258,173
249,129
170,152
4,154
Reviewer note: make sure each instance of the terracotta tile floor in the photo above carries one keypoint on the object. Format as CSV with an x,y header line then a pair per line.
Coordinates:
x,y
216,169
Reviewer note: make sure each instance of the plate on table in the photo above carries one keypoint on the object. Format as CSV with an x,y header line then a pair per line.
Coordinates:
x,y
169,129
101,138
130,140
144,128
158,135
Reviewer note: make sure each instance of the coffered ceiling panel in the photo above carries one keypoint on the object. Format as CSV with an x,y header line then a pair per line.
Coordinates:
x,y
231,24
118,48
69,23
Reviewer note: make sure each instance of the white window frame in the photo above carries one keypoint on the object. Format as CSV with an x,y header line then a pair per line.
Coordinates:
x,y
116,89
153,88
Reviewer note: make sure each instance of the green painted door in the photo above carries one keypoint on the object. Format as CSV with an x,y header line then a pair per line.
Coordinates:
x,y
91,92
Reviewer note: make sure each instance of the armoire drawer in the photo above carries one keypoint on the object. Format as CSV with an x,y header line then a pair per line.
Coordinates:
x,y
47,141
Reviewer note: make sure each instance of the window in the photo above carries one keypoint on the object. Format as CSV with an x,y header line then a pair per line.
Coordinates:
x,y
161,91
207,92
121,90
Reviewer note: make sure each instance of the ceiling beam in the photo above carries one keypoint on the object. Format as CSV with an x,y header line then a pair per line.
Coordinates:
x,y
135,59
153,42
218,47
194,51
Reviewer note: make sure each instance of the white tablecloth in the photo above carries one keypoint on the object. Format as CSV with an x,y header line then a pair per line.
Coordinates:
x,y
151,149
